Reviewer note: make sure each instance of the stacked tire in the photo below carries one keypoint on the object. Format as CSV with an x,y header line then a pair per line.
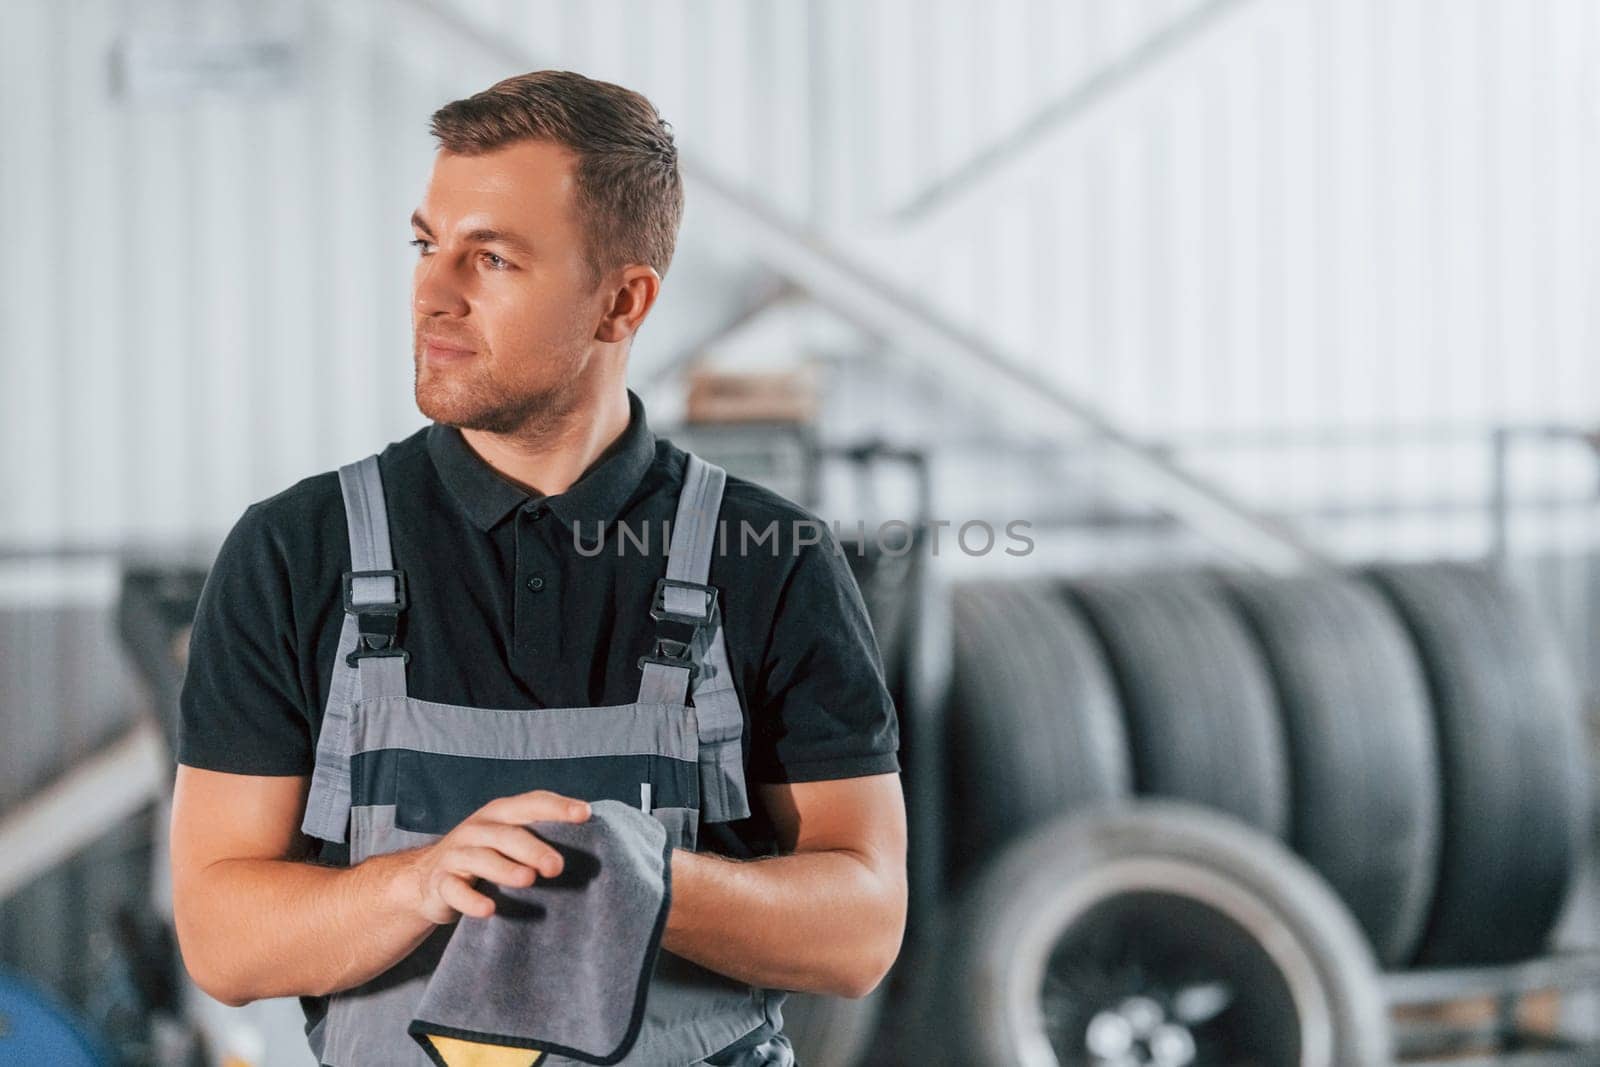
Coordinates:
x,y
1513,762
1035,727
1363,761
1404,740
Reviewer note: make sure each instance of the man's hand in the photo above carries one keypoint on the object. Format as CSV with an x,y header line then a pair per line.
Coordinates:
x,y
254,920
492,843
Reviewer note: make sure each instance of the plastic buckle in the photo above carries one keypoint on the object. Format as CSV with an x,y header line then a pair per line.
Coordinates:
x,y
360,653
658,605
380,607
670,653
379,636
379,620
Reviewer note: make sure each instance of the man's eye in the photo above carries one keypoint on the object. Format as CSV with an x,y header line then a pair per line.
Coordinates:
x,y
420,245
496,262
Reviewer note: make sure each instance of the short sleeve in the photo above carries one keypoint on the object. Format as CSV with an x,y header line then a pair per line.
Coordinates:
x,y
824,709
241,707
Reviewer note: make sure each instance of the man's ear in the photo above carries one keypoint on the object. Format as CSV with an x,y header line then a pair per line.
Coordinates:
x,y
631,300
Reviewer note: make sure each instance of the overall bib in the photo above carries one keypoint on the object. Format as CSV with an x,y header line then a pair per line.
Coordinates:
x,y
402,772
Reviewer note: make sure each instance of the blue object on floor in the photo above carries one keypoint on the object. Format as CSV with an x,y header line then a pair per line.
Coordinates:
x,y
35,1029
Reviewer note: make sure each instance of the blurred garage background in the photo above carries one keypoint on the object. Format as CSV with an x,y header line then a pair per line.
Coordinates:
x,y
1270,321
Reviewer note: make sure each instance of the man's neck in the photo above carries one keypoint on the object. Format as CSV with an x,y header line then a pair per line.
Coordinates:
x,y
552,463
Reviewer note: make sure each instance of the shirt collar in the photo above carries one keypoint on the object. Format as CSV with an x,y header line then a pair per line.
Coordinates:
x,y
596,497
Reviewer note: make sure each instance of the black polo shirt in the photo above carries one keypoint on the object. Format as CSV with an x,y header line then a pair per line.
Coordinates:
x,y
506,610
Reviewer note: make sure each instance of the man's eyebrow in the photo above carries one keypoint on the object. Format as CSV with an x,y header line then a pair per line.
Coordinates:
x,y
480,236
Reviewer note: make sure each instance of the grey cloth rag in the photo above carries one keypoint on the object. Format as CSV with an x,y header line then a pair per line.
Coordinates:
x,y
562,966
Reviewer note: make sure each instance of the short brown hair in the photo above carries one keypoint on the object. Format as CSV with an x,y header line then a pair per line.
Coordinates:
x,y
630,197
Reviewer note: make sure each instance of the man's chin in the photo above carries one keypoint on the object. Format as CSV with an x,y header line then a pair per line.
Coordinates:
x,y
468,416
484,409
445,401
448,410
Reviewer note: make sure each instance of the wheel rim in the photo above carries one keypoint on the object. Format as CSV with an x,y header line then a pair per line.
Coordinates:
x,y
1149,962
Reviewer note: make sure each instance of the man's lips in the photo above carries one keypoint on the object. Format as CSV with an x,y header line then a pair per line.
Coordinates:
x,y
442,350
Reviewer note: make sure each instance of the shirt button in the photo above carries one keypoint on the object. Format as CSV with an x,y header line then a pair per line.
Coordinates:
x,y
534,511
536,583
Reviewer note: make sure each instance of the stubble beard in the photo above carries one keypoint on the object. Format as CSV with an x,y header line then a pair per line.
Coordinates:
x,y
470,398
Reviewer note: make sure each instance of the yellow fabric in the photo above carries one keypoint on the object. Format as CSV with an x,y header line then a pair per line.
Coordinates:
x,y
458,1053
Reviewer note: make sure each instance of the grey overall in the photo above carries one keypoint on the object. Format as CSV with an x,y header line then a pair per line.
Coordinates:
x,y
402,772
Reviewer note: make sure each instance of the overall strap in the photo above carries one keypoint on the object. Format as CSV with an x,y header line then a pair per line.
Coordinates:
x,y
698,663
369,662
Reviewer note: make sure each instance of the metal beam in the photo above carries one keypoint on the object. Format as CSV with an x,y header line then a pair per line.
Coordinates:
x,y
855,292
1576,969
1020,153
80,806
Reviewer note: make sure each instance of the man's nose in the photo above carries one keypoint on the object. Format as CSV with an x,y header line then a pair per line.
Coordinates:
x,y
436,290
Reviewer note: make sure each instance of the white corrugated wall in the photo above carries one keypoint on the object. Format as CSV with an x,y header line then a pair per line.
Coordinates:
x,y
1302,214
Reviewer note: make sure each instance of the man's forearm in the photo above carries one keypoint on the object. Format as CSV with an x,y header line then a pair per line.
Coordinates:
x,y
822,921
255,928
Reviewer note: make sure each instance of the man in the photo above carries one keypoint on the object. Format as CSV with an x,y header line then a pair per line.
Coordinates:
x,y
546,226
